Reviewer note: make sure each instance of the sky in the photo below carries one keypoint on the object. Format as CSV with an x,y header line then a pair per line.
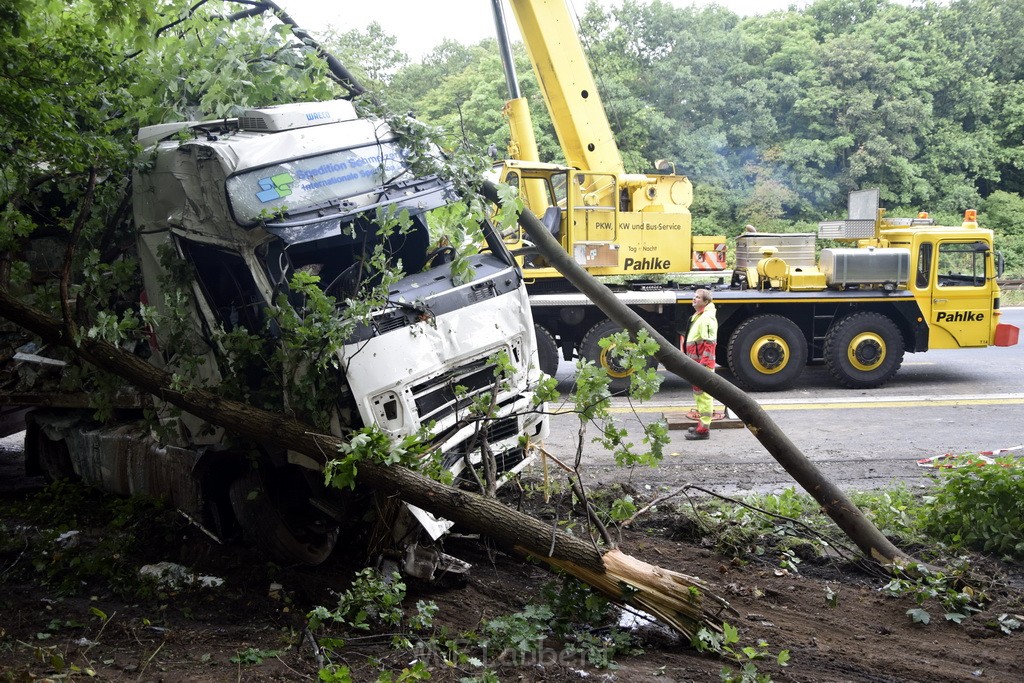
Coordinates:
x,y
420,25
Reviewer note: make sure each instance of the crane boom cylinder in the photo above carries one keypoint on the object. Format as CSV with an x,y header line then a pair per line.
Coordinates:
x,y
505,50
567,84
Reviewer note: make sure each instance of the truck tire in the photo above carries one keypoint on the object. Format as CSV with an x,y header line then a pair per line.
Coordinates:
x,y
863,350
286,538
50,458
767,353
547,352
592,351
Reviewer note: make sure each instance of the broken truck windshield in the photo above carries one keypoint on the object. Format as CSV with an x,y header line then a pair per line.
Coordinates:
x,y
312,182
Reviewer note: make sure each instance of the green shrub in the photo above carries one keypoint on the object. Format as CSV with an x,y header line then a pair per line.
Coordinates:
x,y
979,504
896,512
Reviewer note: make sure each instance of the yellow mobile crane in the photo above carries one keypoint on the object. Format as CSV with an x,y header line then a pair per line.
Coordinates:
x,y
615,223
904,285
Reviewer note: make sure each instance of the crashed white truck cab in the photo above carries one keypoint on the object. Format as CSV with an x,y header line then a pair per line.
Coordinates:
x,y
247,203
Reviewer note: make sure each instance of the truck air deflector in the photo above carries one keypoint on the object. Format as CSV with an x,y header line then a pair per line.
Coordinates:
x,y
302,184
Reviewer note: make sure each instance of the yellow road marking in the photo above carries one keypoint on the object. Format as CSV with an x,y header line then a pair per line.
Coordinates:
x,y
842,406
899,404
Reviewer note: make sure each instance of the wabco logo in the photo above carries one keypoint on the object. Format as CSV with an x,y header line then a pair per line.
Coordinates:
x,y
318,115
653,263
275,187
958,317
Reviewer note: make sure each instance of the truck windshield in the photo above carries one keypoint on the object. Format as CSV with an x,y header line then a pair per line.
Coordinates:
x,y
304,184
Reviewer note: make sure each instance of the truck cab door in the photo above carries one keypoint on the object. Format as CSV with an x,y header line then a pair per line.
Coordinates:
x,y
961,294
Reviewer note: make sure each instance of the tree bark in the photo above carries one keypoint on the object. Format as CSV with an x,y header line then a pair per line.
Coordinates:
x,y
833,500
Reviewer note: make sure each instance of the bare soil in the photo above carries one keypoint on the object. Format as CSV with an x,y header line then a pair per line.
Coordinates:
x,y
253,627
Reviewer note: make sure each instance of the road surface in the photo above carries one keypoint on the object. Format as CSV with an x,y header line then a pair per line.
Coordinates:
x,y
955,401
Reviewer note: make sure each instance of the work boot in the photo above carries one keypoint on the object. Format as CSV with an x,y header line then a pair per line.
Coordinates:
x,y
692,430
694,434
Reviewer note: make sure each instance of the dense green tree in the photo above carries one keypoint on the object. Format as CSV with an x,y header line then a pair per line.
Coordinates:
x,y
467,94
783,114
770,116
80,79
1004,213
372,55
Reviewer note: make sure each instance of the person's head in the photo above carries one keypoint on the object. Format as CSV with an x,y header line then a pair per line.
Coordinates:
x,y
701,298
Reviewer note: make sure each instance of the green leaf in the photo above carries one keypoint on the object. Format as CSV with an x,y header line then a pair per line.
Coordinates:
x,y
731,634
919,616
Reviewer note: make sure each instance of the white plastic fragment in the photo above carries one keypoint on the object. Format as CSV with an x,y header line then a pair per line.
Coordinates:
x,y
174,575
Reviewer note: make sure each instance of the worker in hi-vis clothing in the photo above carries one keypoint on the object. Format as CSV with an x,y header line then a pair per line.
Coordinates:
x,y
701,344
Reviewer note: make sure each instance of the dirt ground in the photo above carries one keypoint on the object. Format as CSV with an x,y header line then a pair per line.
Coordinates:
x,y
831,616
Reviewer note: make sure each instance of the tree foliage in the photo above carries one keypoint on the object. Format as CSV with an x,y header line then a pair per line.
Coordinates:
x,y
779,116
772,117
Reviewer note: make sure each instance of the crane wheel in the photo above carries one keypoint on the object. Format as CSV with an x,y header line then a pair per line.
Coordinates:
x,y
605,358
863,350
767,353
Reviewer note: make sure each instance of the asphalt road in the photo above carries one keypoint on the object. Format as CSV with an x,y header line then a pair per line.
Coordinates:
x,y
954,401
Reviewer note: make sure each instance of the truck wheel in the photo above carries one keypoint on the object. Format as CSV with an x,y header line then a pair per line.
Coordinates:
x,y
767,353
863,350
547,352
286,536
47,457
605,358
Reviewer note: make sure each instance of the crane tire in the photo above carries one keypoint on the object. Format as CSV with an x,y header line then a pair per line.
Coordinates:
x,y
592,351
722,356
863,350
767,353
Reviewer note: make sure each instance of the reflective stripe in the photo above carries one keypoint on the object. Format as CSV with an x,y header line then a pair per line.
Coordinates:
x,y
709,260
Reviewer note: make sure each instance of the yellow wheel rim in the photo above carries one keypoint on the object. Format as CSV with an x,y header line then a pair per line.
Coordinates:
x,y
866,351
769,354
608,362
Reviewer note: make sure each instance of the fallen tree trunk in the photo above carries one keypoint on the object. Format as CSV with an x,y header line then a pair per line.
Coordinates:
x,y
681,601
833,500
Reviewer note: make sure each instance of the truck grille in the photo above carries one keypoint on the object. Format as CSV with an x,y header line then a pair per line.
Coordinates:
x,y
495,432
481,292
437,398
